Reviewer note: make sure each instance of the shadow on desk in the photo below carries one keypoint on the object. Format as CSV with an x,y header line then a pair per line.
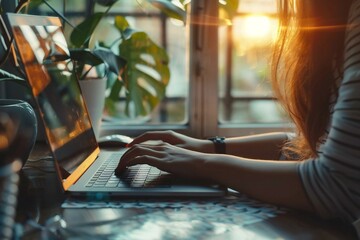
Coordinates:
x,y
233,217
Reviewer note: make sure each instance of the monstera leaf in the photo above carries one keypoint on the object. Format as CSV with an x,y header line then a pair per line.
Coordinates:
x,y
141,67
81,34
177,9
146,74
170,9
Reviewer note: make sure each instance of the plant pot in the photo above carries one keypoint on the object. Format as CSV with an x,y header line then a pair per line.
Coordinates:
x,y
93,91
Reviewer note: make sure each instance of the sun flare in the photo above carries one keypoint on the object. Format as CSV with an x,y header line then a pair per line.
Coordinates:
x,y
257,26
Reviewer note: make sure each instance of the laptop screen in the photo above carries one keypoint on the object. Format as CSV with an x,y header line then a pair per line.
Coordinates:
x,y
44,53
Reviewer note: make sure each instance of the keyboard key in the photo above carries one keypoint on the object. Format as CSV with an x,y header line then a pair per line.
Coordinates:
x,y
137,176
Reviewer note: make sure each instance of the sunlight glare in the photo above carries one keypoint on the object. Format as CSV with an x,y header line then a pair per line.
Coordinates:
x,y
257,26
254,32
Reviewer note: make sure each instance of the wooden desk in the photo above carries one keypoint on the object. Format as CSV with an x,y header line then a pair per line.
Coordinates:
x,y
40,198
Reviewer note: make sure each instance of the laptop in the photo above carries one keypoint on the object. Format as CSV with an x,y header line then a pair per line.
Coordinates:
x,y
83,168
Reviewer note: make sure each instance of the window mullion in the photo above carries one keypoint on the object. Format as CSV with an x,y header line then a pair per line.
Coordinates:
x,y
210,70
204,68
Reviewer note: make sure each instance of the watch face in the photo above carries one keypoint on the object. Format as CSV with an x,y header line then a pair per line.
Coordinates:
x,y
219,143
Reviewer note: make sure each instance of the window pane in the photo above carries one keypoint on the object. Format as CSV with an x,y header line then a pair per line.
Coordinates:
x,y
257,6
170,35
73,6
173,108
129,6
244,69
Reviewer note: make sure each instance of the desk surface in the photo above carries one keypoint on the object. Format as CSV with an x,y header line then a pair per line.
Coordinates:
x,y
40,199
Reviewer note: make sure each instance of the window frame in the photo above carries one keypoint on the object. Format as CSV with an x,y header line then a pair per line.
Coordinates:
x,y
203,101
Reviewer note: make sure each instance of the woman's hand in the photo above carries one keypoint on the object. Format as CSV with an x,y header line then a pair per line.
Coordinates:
x,y
166,157
176,139
261,179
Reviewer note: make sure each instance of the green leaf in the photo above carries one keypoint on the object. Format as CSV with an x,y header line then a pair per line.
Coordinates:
x,y
110,106
81,34
146,104
106,3
230,7
115,89
135,95
113,97
142,84
121,23
170,9
177,9
85,56
157,86
115,62
152,100
33,4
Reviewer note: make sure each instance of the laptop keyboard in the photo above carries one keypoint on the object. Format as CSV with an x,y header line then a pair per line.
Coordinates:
x,y
138,176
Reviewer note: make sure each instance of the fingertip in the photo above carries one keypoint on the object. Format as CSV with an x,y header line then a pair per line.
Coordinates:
x,y
132,143
119,170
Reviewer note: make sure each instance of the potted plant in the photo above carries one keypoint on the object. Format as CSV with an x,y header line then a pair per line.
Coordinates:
x,y
92,73
120,75
128,68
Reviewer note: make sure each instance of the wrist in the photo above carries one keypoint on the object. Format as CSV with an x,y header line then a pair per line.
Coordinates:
x,y
219,145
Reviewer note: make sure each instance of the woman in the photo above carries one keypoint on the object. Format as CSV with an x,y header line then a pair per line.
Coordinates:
x,y
320,90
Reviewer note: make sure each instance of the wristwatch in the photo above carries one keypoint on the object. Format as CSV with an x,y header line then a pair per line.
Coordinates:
x,y
219,143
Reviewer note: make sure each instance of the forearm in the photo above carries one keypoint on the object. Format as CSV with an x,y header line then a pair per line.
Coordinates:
x,y
261,146
276,182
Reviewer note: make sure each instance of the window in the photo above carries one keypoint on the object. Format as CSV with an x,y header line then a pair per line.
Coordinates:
x,y
245,97
235,98
219,72
172,113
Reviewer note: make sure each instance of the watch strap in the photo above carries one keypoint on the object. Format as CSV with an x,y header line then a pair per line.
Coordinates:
x,y
219,144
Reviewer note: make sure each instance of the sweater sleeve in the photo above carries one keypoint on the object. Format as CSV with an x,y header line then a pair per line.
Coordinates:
x,y
332,181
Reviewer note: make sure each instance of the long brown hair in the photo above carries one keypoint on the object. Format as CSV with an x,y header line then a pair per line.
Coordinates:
x,y
307,60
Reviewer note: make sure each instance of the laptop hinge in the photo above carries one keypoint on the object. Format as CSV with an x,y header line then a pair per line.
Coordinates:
x,y
80,170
